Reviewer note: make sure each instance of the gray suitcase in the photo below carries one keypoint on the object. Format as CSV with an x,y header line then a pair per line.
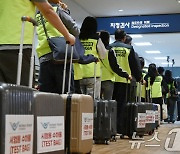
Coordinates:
x,y
102,121
15,110
16,127
48,110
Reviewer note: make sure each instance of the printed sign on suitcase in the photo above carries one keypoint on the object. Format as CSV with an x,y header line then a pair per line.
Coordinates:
x,y
50,133
150,116
19,134
87,126
141,123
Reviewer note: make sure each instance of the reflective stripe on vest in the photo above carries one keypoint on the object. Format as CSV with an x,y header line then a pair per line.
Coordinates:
x,y
10,16
107,72
88,69
43,47
122,59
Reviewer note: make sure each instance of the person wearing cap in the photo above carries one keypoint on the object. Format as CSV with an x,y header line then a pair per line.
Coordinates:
x,y
126,58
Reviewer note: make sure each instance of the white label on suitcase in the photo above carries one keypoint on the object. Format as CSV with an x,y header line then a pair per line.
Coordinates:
x,y
150,116
19,134
50,133
141,122
87,126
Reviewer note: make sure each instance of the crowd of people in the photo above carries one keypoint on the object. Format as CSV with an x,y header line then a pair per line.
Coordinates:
x,y
109,73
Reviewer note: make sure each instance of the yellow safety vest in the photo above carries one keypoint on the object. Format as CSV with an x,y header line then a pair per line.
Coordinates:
x,y
143,88
169,87
90,48
122,54
10,21
107,72
77,71
155,89
43,47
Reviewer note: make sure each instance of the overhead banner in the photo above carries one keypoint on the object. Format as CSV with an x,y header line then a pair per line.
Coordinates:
x,y
141,24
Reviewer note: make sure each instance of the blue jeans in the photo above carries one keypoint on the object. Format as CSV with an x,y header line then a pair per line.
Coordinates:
x,y
87,87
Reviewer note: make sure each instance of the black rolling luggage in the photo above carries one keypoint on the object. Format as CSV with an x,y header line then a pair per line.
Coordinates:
x,y
105,113
150,114
134,118
150,119
113,120
102,121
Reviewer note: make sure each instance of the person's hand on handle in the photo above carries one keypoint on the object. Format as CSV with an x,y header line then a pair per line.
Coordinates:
x,y
70,39
129,77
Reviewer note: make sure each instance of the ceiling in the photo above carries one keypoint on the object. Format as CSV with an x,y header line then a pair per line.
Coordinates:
x,y
167,43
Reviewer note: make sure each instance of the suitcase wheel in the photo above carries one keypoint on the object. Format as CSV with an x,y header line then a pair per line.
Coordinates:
x,y
151,132
130,136
107,142
121,136
113,139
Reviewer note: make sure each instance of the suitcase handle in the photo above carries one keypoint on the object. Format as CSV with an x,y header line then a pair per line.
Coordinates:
x,y
27,18
70,69
20,55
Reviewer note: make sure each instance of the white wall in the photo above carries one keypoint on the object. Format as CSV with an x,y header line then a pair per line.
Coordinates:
x,y
77,12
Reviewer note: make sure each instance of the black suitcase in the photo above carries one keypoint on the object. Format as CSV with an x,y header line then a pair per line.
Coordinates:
x,y
48,110
155,108
150,114
16,118
150,118
113,119
102,121
134,121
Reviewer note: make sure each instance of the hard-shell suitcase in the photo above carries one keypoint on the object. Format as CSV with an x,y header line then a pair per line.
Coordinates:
x,y
78,123
78,118
113,122
16,118
134,122
102,121
158,116
134,118
16,127
150,118
48,110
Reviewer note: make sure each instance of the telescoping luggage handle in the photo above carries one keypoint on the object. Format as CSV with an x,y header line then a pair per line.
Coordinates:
x,y
64,70
138,95
20,55
68,101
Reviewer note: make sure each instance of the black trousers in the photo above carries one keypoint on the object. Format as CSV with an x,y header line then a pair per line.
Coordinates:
x,y
160,102
122,95
9,63
51,77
